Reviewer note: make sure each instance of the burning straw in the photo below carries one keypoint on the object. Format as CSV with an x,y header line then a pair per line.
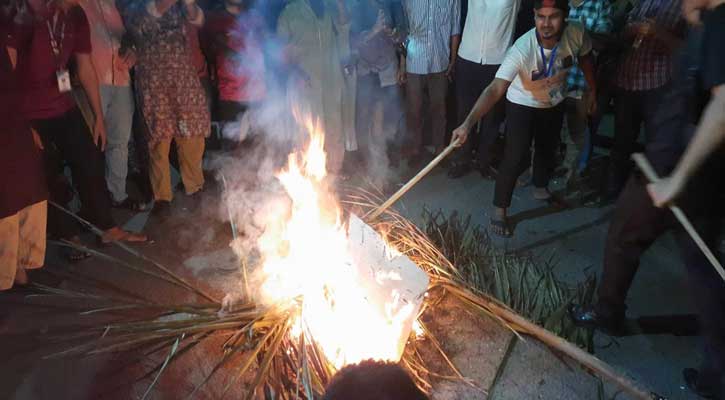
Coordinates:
x,y
259,338
312,313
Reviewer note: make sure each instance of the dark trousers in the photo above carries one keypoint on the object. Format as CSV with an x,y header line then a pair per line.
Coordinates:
x,y
435,87
707,288
230,111
635,226
67,139
524,124
637,223
631,110
471,79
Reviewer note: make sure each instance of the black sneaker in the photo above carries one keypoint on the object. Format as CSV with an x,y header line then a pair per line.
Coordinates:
x,y
459,170
590,317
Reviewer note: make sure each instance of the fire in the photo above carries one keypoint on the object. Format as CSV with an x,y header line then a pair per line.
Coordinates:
x,y
307,263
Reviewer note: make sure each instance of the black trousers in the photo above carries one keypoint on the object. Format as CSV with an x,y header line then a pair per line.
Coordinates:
x,y
637,223
635,226
707,288
471,79
631,110
67,139
524,124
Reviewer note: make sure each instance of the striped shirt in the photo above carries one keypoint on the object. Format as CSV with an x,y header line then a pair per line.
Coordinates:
x,y
595,16
431,24
650,65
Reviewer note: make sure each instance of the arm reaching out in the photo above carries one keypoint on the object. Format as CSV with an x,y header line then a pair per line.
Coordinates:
x,y
708,138
490,96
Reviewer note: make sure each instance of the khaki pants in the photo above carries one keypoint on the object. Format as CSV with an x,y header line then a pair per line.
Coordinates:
x,y
190,152
22,242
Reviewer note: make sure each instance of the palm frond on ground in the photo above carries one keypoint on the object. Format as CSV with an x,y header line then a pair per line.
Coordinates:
x,y
258,346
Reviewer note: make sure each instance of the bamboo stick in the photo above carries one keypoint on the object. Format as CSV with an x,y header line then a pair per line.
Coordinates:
x,y
587,360
651,175
98,232
247,293
395,197
524,326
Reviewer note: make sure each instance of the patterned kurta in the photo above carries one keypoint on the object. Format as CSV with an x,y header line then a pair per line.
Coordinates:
x,y
168,90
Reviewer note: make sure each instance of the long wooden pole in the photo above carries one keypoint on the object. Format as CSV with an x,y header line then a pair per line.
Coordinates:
x,y
588,361
395,197
651,175
524,326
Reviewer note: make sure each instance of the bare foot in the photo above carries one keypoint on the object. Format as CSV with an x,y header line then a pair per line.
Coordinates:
x,y
21,277
117,234
501,227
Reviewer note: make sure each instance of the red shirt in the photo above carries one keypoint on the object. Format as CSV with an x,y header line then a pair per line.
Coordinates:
x,y
235,44
22,182
37,65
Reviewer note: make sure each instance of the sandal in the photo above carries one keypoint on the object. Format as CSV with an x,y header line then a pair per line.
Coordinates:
x,y
131,205
75,255
501,228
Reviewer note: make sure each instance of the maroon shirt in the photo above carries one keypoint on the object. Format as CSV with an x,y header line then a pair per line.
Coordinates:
x,y
37,65
22,182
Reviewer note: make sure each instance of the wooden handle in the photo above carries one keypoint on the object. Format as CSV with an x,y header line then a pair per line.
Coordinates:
x,y
651,175
395,197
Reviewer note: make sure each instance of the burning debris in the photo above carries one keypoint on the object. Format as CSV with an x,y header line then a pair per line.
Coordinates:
x,y
324,292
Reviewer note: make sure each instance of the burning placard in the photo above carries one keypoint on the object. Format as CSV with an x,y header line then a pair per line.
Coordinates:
x,y
396,287
357,298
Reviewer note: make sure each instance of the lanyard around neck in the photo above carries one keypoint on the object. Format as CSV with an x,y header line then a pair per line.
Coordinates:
x,y
548,69
56,43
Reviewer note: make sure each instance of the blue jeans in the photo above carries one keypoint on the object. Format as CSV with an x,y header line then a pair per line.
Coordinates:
x,y
118,108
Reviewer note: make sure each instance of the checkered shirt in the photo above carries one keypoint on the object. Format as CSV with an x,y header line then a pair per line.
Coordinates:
x,y
595,16
650,66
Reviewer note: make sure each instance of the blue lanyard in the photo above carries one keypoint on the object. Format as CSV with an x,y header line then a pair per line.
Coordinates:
x,y
550,68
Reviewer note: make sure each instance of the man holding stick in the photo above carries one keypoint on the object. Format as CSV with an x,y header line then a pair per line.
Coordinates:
x,y
700,171
637,223
533,77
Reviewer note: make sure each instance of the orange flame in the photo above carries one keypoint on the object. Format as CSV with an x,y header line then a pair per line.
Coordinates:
x,y
306,261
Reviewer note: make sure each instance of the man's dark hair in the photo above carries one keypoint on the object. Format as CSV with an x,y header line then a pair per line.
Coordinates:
x,y
373,380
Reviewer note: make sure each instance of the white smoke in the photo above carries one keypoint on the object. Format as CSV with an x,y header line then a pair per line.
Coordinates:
x,y
253,198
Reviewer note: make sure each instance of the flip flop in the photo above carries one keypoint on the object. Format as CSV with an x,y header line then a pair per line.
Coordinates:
x,y
501,228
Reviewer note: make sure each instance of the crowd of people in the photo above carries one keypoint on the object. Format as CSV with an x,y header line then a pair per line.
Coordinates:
x,y
79,79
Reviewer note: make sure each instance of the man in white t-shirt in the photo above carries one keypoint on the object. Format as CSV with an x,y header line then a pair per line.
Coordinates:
x,y
533,78
487,34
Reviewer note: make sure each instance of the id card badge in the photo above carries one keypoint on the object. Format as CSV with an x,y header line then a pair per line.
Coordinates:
x,y
63,80
556,95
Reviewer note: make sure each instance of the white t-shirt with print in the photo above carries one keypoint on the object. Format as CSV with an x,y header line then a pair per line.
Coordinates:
x,y
524,67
